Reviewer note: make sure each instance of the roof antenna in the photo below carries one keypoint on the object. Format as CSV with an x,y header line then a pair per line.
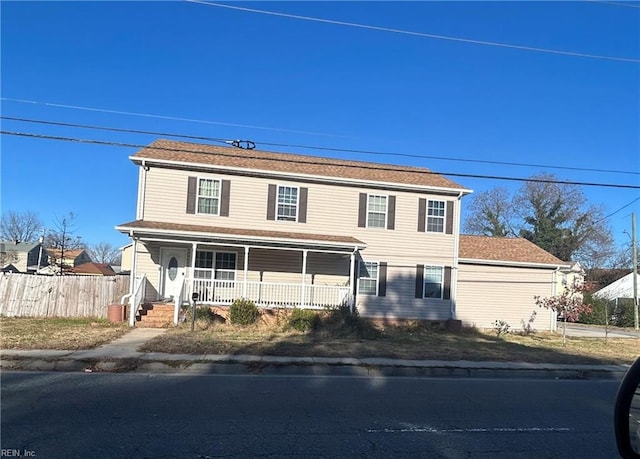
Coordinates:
x,y
244,144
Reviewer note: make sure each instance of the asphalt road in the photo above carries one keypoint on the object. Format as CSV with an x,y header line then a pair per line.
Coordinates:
x,y
106,415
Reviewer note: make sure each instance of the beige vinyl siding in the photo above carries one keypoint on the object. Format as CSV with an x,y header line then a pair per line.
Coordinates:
x,y
331,209
147,260
489,293
399,301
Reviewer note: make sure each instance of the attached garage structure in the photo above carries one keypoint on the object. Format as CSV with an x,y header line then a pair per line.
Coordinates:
x,y
498,279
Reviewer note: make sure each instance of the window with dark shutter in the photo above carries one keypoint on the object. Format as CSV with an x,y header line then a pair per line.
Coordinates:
x,y
271,202
382,279
362,210
391,213
192,186
449,224
419,281
302,205
422,214
225,193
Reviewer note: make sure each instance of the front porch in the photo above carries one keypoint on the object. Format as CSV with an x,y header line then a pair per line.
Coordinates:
x,y
267,294
217,266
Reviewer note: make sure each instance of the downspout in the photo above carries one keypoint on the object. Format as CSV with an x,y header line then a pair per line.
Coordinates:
x,y
142,190
456,258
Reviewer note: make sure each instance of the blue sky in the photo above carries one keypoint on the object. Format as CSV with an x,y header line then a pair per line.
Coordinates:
x,y
293,81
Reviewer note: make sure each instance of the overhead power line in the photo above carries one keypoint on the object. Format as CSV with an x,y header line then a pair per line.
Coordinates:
x,y
165,117
418,34
312,147
324,162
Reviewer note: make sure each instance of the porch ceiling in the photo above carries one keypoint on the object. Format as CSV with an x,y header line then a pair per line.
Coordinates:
x,y
242,236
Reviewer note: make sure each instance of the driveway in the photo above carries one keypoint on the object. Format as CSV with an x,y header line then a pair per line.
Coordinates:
x,y
596,331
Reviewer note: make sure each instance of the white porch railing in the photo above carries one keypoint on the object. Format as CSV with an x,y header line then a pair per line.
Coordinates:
x,y
269,294
135,298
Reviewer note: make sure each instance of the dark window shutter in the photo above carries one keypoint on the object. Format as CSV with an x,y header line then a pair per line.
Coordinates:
x,y
191,195
382,279
271,203
419,281
391,213
446,288
362,211
302,205
422,214
225,192
449,217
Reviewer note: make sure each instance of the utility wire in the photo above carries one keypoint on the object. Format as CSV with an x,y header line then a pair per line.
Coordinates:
x,y
615,212
627,4
324,163
418,34
165,117
311,147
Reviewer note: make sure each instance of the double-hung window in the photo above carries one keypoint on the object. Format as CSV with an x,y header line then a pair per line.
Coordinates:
x,y
215,265
287,207
433,282
368,278
376,211
435,216
208,196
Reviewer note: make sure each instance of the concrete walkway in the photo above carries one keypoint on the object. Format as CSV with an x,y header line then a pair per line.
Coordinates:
x,y
122,355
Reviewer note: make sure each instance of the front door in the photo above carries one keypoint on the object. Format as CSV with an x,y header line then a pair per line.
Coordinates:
x,y
174,262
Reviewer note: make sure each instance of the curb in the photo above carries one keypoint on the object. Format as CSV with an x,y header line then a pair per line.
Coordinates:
x,y
305,366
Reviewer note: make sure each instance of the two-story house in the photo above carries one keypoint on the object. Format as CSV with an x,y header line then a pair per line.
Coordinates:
x,y
23,257
288,230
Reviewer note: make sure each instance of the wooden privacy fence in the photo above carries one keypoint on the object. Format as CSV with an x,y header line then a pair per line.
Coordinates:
x,y
26,295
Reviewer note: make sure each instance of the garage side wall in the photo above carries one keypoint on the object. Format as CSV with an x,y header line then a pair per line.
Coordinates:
x,y
488,293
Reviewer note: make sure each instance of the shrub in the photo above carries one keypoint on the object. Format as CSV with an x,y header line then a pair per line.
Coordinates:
x,y
501,327
243,312
204,316
342,322
303,320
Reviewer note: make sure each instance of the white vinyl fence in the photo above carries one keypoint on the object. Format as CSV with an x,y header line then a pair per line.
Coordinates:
x,y
26,295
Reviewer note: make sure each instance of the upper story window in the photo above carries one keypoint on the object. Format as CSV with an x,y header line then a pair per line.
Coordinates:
x,y
368,278
376,211
208,197
287,207
435,216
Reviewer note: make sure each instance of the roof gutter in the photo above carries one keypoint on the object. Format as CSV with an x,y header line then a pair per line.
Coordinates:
x,y
517,264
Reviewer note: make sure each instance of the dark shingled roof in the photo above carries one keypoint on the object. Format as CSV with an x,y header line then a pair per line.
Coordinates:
x,y
145,224
185,152
504,249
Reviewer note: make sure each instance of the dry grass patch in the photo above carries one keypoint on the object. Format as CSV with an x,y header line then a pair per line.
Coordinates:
x,y
57,333
395,342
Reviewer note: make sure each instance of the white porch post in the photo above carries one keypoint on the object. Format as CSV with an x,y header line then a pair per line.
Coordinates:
x,y
132,282
246,271
352,278
304,275
192,276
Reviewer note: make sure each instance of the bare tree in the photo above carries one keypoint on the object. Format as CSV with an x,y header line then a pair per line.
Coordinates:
x,y
20,226
104,252
553,215
491,214
62,238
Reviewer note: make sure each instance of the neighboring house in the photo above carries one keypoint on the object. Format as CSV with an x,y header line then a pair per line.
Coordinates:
x,y
288,230
93,269
25,257
499,277
570,276
72,257
126,258
622,288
